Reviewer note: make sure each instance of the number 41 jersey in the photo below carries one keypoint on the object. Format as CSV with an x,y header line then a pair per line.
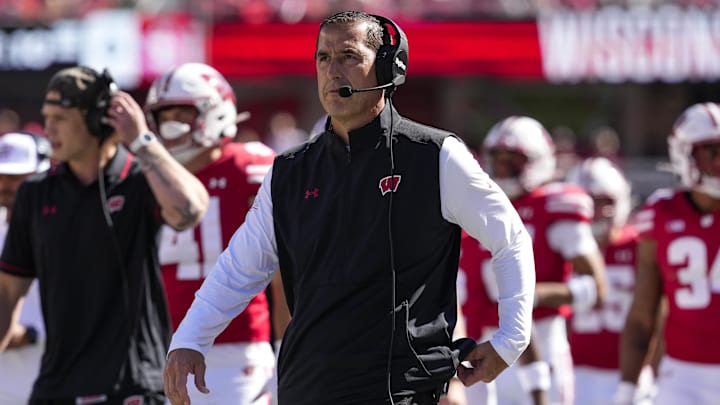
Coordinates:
x,y
187,257
688,257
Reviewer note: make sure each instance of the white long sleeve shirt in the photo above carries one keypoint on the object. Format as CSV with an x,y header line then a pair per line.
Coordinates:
x,y
469,198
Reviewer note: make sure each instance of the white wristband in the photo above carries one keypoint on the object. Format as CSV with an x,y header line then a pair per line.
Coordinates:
x,y
534,376
142,140
625,393
584,292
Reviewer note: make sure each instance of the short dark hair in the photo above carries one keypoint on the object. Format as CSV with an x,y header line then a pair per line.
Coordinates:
x,y
374,37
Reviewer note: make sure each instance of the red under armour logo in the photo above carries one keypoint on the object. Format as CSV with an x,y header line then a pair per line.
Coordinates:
x,y
388,184
312,193
49,210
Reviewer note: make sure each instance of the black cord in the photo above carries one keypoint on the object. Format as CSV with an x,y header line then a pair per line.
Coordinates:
x,y
111,226
392,252
121,261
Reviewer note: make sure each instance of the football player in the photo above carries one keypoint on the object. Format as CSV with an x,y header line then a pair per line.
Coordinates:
x,y
569,267
679,258
595,333
193,110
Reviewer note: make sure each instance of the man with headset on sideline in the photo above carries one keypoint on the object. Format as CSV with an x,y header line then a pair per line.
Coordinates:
x,y
364,220
22,154
87,229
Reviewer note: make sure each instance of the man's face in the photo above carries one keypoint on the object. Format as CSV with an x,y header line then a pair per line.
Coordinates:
x,y
605,210
9,184
180,114
506,163
343,59
66,130
707,158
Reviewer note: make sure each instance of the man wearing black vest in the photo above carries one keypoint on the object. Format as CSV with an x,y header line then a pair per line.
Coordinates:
x,y
365,222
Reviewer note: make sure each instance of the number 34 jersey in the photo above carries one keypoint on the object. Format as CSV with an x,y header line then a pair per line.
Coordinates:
x,y
595,334
187,257
688,257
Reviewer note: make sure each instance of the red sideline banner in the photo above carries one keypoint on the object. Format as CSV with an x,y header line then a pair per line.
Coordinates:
x,y
506,49
613,44
609,45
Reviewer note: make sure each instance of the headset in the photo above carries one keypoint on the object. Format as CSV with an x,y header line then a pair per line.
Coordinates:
x,y
392,57
99,95
391,60
105,87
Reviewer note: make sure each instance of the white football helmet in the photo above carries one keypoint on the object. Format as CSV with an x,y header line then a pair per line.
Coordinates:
x,y
603,179
200,86
528,137
698,124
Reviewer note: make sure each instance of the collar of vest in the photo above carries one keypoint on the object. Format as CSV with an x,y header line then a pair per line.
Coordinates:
x,y
367,135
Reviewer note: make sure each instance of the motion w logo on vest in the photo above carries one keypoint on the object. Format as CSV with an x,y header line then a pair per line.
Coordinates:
x,y
389,183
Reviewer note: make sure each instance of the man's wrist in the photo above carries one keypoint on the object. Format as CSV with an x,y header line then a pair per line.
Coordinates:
x,y
142,141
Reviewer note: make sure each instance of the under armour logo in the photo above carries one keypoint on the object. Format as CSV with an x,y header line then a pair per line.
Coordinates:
x,y
389,183
49,210
312,193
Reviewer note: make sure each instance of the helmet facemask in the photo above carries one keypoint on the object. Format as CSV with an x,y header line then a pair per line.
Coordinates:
x,y
610,191
697,126
204,88
707,183
527,137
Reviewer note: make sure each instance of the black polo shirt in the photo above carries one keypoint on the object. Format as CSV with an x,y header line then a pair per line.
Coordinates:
x,y
96,282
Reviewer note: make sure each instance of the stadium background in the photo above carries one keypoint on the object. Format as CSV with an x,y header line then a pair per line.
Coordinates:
x,y
579,66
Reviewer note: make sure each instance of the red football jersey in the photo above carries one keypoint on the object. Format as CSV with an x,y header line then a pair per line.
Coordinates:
x,y
688,256
480,306
187,257
595,334
539,210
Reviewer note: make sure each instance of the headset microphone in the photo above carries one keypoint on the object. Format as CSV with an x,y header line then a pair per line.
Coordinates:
x,y
347,91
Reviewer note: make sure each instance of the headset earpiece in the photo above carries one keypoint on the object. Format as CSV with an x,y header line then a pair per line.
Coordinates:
x,y
95,113
392,57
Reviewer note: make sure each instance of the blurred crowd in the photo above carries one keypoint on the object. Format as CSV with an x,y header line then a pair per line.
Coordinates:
x,y
293,11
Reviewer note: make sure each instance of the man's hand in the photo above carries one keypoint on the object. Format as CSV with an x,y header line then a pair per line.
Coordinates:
x,y
21,336
486,365
126,116
180,363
